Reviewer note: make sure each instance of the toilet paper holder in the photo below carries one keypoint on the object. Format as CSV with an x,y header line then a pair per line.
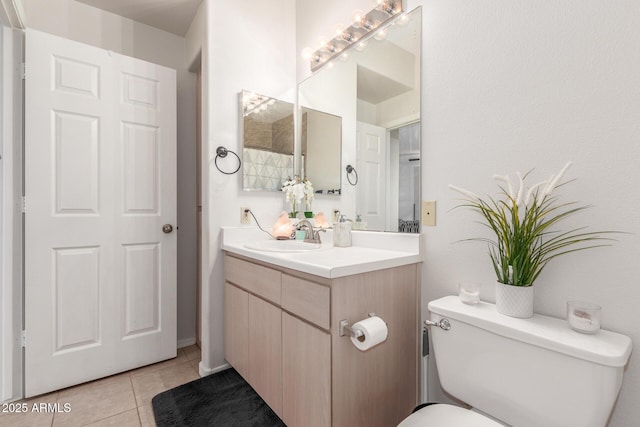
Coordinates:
x,y
347,330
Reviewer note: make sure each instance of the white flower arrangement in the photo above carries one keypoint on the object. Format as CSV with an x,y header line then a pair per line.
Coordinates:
x,y
308,193
296,191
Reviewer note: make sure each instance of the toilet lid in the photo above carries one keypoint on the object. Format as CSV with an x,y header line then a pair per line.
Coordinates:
x,y
443,415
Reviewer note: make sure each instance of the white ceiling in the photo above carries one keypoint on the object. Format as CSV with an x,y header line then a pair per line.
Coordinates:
x,y
174,16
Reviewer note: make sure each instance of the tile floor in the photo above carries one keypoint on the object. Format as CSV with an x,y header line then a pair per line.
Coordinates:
x,y
122,400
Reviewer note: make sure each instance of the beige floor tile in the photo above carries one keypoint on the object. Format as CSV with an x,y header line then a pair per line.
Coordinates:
x,y
196,365
192,352
32,417
125,419
151,383
146,415
95,401
110,401
179,359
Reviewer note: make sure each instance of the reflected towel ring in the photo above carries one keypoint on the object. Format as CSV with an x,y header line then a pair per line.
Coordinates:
x,y
349,170
222,152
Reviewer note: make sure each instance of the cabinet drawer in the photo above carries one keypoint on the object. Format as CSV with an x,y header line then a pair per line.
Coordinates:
x,y
259,280
307,300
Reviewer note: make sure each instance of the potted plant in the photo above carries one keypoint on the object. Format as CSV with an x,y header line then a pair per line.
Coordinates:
x,y
524,236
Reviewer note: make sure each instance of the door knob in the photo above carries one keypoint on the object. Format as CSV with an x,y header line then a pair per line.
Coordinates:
x,y
167,228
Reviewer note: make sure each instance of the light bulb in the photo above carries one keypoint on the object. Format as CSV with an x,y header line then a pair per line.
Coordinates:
x,y
368,25
271,101
344,57
403,20
387,6
381,34
361,46
331,48
307,52
357,16
348,37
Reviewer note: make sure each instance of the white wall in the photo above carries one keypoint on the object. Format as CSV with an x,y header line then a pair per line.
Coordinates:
x,y
86,24
249,46
514,85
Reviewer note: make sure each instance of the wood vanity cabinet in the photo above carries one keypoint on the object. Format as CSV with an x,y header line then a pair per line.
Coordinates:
x,y
282,335
253,328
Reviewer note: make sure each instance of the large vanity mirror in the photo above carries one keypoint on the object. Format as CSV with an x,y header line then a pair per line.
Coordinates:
x,y
375,90
268,141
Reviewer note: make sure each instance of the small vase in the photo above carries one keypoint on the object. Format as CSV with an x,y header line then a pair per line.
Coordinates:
x,y
293,214
514,301
308,214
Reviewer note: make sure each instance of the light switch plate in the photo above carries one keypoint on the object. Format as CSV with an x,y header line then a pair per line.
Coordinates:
x,y
429,212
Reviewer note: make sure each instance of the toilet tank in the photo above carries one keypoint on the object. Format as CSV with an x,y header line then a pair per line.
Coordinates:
x,y
527,372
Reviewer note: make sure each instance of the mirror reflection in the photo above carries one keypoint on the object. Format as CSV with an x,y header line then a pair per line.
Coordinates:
x,y
376,91
321,150
268,141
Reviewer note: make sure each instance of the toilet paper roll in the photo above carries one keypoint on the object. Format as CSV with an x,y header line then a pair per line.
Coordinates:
x,y
374,331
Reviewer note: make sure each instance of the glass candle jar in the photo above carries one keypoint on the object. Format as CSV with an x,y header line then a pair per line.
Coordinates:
x,y
469,292
583,316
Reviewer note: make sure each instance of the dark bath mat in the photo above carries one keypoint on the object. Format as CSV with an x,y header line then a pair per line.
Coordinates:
x,y
220,400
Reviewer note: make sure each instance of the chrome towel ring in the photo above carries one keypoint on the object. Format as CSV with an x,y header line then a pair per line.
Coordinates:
x,y
350,170
222,152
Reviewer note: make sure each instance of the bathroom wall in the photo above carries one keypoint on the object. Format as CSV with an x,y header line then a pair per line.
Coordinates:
x,y
86,24
511,86
243,45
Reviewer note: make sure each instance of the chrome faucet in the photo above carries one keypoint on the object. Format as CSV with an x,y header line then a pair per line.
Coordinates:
x,y
310,235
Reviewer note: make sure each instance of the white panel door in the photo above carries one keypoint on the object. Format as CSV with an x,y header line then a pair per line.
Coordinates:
x,y
371,197
100,183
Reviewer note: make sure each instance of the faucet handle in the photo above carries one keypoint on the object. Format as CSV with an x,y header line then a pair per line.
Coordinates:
x,y
316,235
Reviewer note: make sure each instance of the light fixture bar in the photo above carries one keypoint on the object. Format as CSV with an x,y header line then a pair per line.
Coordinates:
x,y
377,18
255,102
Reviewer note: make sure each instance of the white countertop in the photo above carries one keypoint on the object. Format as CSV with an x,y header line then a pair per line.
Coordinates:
x,y
370,251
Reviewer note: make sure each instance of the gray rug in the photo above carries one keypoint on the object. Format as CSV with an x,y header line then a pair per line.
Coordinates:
x,y
222,399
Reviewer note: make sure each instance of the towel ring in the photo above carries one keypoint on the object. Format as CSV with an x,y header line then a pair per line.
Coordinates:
x,y
222,152
349,170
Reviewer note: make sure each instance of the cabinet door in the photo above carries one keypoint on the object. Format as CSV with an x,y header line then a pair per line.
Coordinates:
x,y
306,352
236,328
265,352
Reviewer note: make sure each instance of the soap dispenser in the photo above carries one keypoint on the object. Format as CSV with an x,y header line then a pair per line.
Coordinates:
x,y
342,233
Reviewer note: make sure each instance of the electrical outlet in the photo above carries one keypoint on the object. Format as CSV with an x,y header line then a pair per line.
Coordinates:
x,y
244,216
429,212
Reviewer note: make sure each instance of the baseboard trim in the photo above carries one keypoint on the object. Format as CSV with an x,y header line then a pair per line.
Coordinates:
x,y
186,342
204,371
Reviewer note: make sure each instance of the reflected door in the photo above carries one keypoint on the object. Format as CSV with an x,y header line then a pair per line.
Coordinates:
x,y
100,184
371,197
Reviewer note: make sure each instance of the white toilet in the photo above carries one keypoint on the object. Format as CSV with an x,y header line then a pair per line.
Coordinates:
x,y
521,372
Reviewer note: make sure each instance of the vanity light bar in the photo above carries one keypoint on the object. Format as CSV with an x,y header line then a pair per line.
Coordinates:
x,y
256,103
360,29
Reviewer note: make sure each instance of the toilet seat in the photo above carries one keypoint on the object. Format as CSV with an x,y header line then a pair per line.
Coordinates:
x,y
444,415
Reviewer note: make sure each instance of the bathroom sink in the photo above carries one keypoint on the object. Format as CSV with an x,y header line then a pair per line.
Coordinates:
x,y
283,246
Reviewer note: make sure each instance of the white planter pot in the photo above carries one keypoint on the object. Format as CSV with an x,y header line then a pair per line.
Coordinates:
x,y
514,301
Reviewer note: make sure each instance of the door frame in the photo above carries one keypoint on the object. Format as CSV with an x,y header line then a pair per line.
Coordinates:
x,y
11,224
